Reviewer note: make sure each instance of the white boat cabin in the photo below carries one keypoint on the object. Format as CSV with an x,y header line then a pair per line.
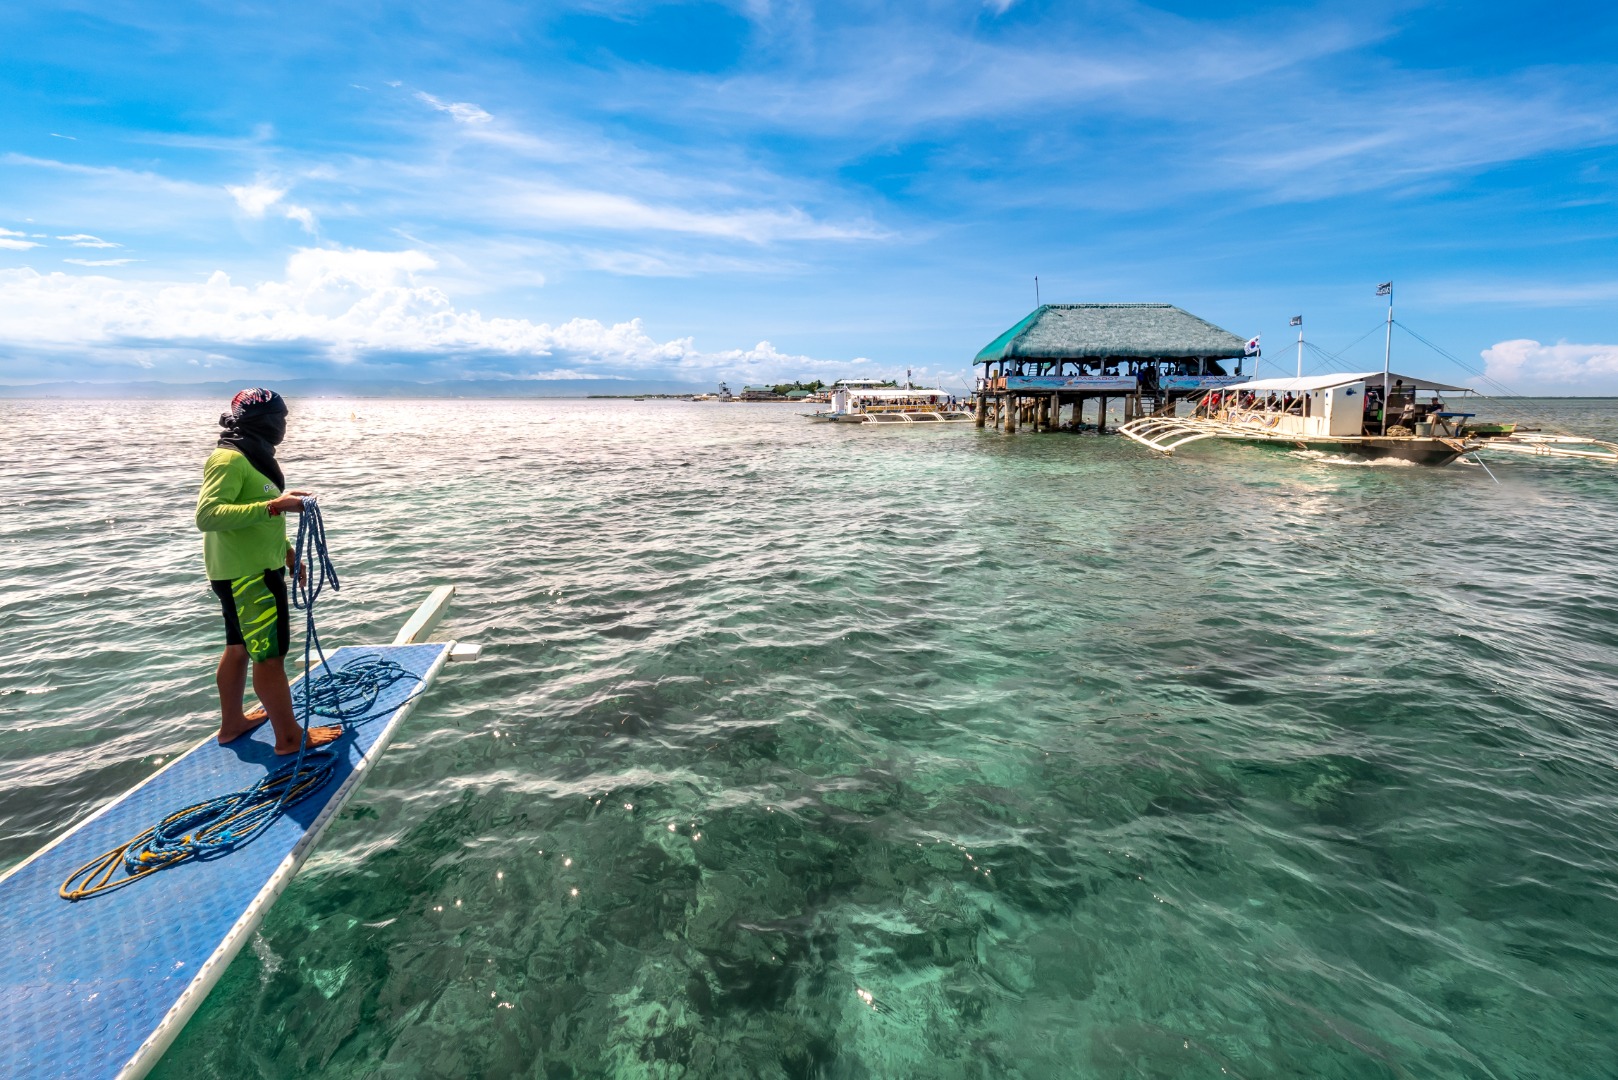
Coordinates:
x,y
856,398
1326,406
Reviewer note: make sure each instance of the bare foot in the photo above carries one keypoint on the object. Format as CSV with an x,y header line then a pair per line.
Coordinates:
x,y
230,731
318,736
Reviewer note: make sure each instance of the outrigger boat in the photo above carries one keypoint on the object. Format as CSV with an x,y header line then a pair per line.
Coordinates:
x,y
1345,415
866,401
1334,414
1370,414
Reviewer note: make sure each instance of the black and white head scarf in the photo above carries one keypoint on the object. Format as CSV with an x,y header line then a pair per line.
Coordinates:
x,y
254,426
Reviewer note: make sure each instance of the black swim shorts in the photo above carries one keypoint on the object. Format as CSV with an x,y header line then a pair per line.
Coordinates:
x,y
257,614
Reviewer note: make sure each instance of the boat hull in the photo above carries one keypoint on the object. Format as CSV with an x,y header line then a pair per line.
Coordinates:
x,y
892,418
1417,451
1166,434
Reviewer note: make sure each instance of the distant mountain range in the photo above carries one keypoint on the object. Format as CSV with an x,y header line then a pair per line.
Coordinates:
x,y
294,388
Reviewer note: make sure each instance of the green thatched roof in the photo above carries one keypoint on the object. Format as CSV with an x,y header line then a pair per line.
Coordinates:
x,y
1102,331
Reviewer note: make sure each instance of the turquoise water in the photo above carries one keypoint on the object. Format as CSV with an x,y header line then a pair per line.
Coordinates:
x,y
808,751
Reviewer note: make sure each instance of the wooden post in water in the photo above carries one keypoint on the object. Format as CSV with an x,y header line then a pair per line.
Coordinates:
x,y
980,413
1011,405
1101,414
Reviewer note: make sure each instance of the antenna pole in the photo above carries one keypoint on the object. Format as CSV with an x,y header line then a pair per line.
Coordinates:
x,y
1387,358
1036,290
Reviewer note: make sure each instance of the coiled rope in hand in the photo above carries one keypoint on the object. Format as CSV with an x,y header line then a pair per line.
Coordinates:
x,y
219,825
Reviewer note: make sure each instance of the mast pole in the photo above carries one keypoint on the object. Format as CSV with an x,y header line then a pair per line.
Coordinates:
x,y
1387,357
1300,347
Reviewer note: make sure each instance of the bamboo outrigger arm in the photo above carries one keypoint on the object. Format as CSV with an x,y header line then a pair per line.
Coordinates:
x,y
1539,445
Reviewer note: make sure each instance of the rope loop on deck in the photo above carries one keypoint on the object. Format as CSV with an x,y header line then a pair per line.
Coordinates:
x,y
217,826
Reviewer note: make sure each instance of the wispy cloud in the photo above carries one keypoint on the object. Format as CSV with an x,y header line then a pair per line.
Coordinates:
x,y
1528,293
1423,127
17,245
1140,107
100,262
604,210
85,240
865,176
463,112
912,71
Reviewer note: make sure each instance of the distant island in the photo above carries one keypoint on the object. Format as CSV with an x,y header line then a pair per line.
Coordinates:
x,y
792,391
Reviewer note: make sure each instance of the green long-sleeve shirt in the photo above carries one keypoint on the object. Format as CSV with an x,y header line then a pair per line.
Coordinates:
x,y
239,535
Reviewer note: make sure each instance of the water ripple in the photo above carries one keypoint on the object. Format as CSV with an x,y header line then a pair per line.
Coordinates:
x,y
807,751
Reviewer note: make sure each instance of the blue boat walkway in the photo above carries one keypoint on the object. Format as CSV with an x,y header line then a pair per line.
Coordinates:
x,y
100,987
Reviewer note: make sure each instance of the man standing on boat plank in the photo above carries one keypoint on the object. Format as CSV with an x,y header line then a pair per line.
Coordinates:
x,y
241,511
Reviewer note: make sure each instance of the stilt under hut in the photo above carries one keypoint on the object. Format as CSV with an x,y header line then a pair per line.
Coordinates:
x,y
1044,372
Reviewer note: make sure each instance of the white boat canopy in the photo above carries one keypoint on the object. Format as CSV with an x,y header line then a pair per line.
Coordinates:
x,y
1310,383
889,392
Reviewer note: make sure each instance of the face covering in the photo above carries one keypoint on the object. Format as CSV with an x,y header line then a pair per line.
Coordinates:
x,y
254,426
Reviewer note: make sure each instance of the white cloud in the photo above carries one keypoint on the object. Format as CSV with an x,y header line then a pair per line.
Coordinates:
x,y
17,245
100,262
606,210
255,199
258,198
1525,362
349,306
85,240
11,232
463,112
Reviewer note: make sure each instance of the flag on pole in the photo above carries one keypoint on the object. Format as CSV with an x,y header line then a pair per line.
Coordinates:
x,y
1297,320
1252,347
1385,289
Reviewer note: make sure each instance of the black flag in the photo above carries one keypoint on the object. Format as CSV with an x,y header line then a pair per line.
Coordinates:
x,y
1297,320
1385,289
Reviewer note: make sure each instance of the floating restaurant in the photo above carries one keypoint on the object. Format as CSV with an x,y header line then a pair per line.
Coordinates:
x,y
1064,356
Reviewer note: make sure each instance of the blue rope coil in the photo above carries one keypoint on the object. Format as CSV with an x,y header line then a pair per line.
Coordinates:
x,y
217,826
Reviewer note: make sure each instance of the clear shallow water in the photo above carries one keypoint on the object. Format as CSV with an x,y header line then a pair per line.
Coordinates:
x,y
875,753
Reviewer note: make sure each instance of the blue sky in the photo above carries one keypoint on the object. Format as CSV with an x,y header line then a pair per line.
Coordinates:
x,y
751,190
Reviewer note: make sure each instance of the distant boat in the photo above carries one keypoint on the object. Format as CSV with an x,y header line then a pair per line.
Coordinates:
x,y
867,402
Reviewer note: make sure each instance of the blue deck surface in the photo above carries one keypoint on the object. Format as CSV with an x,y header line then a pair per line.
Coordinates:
x,y
83,984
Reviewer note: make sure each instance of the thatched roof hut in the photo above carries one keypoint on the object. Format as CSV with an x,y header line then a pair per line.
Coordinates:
x,y
1111,332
